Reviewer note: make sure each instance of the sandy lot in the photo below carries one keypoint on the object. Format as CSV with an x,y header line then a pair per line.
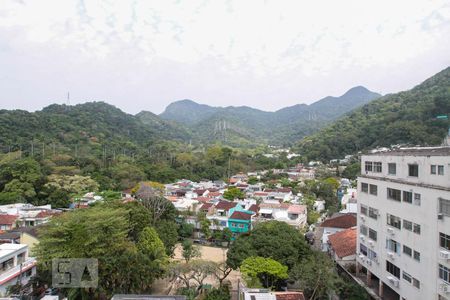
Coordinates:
x,y
218,255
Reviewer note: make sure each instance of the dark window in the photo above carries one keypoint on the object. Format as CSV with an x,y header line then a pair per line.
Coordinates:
x,y
413,170
373,213
373,189
416,255
363,249
444,273
440,170
444,206
407,197
416,228
363,210
394,194
377,167
364,187
407,250
408,225
394,221
433,170
392,169
372,234
444,240
407,277
368,166
417,199
393,269
416,283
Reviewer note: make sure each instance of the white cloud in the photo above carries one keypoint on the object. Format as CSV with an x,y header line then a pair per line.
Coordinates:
x,y
259,43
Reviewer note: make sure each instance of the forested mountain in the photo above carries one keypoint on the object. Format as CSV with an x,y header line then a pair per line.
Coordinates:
x,y
245,125
403,118
92,123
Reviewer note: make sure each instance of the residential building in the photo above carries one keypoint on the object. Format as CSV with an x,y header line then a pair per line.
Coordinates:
x,y
15,266
342,246
335,224
404,222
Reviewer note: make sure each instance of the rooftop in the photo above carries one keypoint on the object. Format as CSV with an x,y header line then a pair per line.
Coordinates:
x,y
343,242
342,221
8,248
415,151
239,215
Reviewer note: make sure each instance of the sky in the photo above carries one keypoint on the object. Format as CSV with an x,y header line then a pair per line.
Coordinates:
x,y
143,54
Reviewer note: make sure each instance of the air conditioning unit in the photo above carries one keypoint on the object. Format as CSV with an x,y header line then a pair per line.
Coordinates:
x,y
391,255
361,256
440,216
371,243
393,280
362,238
390,231
363,219
369,262
444,254
396,282
444,288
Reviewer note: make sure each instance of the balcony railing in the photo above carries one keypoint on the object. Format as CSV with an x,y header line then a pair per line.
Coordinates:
x,y
16,270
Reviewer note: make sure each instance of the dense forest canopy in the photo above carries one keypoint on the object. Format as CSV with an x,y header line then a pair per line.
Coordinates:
x,y
408,117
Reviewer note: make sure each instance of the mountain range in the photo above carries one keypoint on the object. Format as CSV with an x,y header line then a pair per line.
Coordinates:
x,y
246,125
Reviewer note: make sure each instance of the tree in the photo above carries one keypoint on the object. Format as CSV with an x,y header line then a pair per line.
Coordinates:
x,y
102,232
222,271
186,230
227,235
265,241
221,293
168,233
192,273
204,228
189,250
352,171
317,275
265,270
233,193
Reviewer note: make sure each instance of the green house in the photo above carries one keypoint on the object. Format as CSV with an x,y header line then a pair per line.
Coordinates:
x,y
240,221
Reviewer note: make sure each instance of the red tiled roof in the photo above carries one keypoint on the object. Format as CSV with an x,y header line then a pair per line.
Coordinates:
x,y
199,192
206,206
7,219
344,242
284,190
214,194
254,208
343,221
239,215
233,180
260,194
289,295
212,190
203,199
45,214
225,205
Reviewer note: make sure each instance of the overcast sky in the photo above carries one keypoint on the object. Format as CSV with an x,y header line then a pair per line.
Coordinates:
x,y
142,55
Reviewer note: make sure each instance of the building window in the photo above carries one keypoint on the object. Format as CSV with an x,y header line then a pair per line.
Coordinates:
x,y
373,213
364,187
407,197
416,283
241,225
393,246
433,170
413,170
372,255
417,199
407,277
372,234
368,166
394,221
363,229
416,255
373,189
444,206
393,269
392,169
444,240
363,249
363,210
440,170
407,250
394,194
444,273
408,225
416,228
377,167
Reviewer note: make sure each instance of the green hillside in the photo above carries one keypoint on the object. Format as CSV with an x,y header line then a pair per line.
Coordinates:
x,y
403,118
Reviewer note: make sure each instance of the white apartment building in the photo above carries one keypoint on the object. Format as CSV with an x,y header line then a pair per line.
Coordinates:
x,y
15,266
404,222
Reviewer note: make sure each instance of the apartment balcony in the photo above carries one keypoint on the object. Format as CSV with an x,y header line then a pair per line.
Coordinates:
x,y
15,271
